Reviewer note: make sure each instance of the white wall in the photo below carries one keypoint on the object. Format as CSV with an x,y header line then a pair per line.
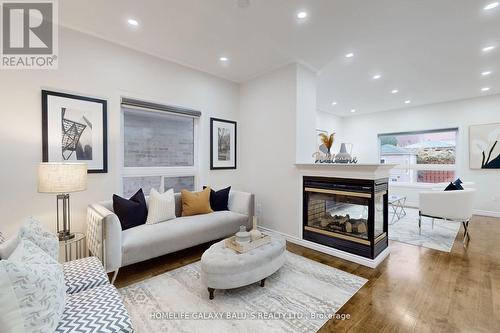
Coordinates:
x,y
92,67
362,131
268,135
306,141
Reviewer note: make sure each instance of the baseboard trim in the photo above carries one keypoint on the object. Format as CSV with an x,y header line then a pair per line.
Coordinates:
x,y
372,263
486,213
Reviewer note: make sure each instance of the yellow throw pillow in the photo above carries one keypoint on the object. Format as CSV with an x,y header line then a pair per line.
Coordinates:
x,y
194,203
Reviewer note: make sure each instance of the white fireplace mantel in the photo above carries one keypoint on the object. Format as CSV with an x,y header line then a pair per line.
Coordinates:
x,y
336,170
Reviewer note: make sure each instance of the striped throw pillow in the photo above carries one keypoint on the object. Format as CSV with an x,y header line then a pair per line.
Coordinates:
x,y
161,206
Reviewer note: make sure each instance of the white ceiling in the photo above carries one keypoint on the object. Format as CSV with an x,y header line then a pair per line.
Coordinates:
x,y
430,50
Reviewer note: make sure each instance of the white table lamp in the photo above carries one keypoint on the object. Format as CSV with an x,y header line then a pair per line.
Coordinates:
x,y
62,179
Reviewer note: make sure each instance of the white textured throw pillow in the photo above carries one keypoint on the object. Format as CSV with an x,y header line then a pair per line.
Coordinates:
x,y
8,246
33,231
161,206
32,290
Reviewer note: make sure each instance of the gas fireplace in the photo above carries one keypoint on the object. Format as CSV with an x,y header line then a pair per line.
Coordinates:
x,y
346,214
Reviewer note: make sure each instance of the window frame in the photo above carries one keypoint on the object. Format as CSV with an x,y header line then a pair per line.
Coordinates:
x,y
423,167
163,172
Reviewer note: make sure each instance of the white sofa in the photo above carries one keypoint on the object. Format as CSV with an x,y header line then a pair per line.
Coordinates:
x,y
448,205
117,248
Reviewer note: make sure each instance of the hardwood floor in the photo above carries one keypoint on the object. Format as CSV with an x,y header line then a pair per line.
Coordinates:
x,y
414,290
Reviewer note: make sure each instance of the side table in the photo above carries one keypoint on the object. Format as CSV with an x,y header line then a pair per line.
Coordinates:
x,y
398,207
77,243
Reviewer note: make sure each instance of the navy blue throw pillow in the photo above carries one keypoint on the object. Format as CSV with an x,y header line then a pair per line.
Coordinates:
x,y
451,187
458,184
131,212
219,199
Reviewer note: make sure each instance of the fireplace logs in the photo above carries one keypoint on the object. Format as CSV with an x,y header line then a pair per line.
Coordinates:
x,y
341,223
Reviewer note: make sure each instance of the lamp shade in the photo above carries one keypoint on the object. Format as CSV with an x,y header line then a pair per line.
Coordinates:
x,y
62,177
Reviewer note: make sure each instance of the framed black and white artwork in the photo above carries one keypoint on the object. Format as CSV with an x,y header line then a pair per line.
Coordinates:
x,y
484,146
74,128
222,144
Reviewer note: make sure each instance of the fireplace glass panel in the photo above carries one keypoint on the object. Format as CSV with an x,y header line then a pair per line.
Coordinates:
x,y
338,213
379,214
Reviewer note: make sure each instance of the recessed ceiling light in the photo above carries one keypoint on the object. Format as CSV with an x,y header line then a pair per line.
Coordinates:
x,y
407,101
349,55
376,77
301,15
334,103
491,5
394,91
485,89
353,110
223,59
133,22
486,73
488,48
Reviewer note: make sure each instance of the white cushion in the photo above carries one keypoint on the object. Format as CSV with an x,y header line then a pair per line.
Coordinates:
x,y
161,206
149,241
33,284
8,246
33,231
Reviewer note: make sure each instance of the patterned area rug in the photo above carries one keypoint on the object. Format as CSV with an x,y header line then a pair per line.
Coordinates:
x,y
300,297
441,237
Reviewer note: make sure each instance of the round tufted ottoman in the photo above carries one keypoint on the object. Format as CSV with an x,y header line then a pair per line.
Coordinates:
x,y
224,268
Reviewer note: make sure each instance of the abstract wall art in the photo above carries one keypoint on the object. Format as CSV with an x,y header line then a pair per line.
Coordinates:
x,y
484,146
74,129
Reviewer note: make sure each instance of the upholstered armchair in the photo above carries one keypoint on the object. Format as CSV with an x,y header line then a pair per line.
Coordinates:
x,y
448,205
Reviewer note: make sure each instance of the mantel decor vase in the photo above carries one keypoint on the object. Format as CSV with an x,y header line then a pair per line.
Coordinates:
x,y
343,156
327,141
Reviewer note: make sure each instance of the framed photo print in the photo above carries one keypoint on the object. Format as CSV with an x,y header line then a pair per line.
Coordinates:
x,y
222,144
74,128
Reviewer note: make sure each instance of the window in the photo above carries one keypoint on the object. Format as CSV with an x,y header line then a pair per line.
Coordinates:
x,y
159,148
421,157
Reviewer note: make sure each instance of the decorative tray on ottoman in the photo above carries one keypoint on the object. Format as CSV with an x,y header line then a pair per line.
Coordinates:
x,y
242,248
